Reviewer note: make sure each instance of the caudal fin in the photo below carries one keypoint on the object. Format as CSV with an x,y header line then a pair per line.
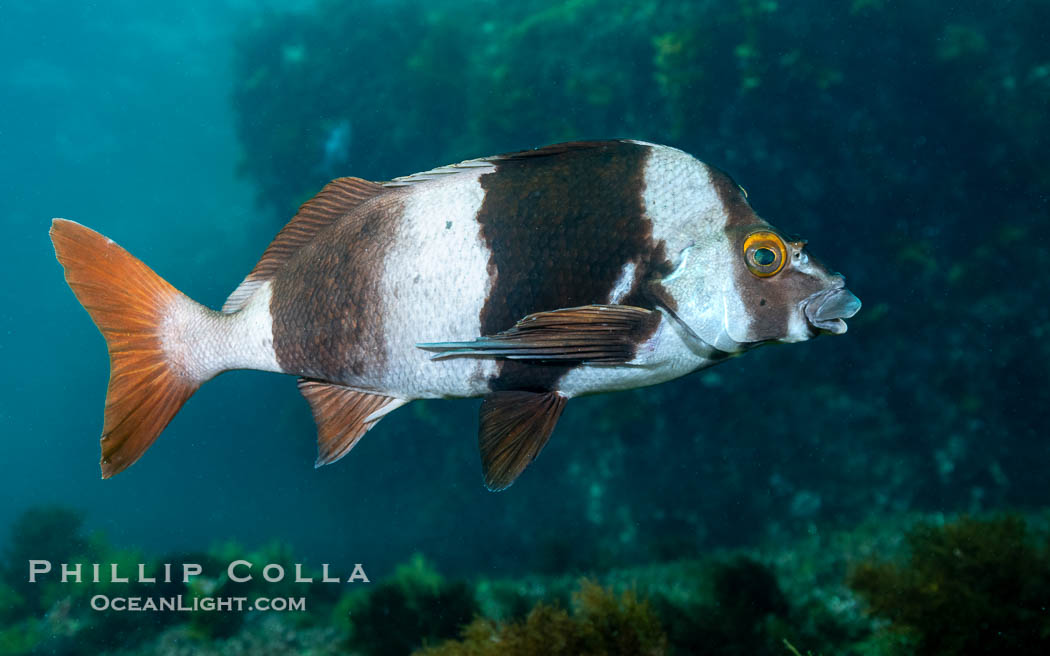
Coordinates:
x,y
137,312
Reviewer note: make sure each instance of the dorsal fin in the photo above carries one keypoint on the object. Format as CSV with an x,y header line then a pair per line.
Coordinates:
x,y
490,162
333,202
554,150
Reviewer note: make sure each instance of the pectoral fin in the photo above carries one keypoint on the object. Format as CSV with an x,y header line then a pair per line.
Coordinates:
x,y
343,415
606,334
515,426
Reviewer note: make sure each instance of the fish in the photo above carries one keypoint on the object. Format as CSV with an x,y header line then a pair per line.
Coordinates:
x,y
336,148
526,279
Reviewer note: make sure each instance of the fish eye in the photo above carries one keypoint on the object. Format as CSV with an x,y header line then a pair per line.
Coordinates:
x,y
764,256
764,253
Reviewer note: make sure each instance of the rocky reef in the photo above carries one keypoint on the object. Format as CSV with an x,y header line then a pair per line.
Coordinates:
x,y
906,584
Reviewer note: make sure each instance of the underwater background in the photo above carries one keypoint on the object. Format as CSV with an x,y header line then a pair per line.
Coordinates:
x,y
882,492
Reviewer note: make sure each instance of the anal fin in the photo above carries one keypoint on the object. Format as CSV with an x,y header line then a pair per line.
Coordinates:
x,y
515,426
343,415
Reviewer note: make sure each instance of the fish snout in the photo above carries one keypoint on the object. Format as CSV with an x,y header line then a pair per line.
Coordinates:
x,y
826,310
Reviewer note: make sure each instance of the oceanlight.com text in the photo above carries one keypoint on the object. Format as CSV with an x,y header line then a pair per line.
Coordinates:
x,y
181,603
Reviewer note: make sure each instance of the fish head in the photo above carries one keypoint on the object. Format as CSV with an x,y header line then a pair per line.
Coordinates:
x,y
742,283
785,293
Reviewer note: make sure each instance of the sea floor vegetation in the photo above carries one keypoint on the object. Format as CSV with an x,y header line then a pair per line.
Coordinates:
x,y
899,585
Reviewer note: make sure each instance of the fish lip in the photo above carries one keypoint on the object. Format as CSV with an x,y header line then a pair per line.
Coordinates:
x,y
826,310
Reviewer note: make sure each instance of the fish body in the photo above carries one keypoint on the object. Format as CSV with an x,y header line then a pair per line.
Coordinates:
x,y
527,279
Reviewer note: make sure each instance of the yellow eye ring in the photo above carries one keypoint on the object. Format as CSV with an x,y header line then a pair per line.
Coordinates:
x,y
765,253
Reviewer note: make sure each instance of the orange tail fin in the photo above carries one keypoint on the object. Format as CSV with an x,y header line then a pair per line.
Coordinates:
x,y
134,308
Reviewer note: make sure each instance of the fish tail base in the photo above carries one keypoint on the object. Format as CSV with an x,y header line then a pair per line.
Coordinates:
x,y
142,318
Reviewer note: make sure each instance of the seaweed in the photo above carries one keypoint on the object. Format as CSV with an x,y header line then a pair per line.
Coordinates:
x,y
601,623
413,605
971,586
51,533
740,611
21,638
57,617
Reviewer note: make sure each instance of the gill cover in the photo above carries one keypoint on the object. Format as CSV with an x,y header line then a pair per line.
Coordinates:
x,y
699,294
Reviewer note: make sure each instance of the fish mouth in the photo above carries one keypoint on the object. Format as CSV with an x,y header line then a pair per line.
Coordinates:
x,y
826,310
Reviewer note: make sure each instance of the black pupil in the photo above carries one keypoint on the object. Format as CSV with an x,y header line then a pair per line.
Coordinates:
x,y
764,257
